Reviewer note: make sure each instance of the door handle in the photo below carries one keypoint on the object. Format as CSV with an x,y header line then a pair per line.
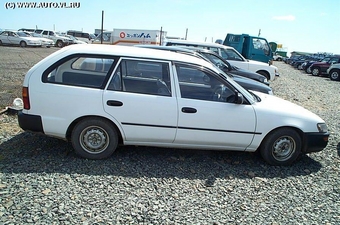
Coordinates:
x,y
114,103
189,110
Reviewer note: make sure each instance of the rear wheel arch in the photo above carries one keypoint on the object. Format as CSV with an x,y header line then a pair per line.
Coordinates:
x,y
75,122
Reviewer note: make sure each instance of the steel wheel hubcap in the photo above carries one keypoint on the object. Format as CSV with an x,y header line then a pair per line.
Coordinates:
x,y
284,148
334,75
94,139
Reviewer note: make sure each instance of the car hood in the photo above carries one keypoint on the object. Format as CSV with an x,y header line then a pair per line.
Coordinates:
x,y
319,63
30,38
44,39
250,84
258,63
280,112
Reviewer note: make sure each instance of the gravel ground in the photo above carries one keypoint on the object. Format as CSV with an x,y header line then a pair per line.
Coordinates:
x,y
42,181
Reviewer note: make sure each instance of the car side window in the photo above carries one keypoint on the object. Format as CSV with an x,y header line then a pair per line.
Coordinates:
x,y
196,83
84,71
143,77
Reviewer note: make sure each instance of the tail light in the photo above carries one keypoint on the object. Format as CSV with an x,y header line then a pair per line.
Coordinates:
x,y
26,98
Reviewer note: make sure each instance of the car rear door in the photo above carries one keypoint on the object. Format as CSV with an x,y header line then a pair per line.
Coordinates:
x,y
140,99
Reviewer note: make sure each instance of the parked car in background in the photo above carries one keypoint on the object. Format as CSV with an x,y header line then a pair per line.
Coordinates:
x,y
229,68
123,95
75,40
231,55
319,68
59,41
334,72
277,57
209,56
45,42
18,38
82,36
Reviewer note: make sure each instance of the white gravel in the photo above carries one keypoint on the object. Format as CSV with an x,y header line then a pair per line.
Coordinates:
x,y
42,181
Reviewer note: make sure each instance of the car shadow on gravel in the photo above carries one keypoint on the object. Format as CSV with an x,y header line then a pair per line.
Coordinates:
x,y
34,153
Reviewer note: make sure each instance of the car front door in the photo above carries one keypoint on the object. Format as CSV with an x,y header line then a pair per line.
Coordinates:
x,y
206,118
140,99
13,38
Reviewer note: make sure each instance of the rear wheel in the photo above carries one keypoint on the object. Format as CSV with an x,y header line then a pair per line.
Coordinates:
x,y
315,71
334,74
281,147
94,138
23,44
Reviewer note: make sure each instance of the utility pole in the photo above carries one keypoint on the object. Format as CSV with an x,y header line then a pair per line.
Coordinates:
x,y
101,36
259,32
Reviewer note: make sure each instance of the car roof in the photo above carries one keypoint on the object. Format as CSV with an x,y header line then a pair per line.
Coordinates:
x,y
132,51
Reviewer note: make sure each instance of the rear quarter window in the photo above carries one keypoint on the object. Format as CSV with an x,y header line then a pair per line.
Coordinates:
x,y
83,71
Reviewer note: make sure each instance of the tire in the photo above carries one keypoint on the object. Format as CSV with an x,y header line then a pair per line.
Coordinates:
x,y
315,71
94,138
264,73
281,147
334,75
59,44
307,70
23,44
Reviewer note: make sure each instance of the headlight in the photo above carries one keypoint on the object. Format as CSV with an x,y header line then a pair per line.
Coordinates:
x,y
322,127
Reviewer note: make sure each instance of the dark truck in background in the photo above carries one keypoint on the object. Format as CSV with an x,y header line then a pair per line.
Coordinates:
x,y
251,47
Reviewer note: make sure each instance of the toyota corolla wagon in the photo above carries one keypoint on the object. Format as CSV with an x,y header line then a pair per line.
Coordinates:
x,y
99,97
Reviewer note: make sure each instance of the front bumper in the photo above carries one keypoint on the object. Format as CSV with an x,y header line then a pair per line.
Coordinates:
x,y
30,122
315,142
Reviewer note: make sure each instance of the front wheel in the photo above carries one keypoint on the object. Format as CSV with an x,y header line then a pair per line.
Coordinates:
x,y
316,71
94,138
334,74
281,147
59,44
23,44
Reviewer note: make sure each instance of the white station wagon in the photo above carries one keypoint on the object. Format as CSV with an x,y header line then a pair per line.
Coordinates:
x,y
100,96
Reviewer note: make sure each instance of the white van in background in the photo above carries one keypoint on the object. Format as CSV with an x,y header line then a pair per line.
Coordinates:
x,y
232,55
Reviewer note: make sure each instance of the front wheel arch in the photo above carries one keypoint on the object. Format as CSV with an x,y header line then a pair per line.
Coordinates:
x,y
273,146
264,73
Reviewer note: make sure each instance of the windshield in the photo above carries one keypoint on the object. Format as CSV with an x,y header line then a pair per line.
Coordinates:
x,y
216,61
22,34
231,54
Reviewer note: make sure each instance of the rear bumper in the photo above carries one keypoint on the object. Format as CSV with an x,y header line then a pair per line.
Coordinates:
x,y
315,142
30,122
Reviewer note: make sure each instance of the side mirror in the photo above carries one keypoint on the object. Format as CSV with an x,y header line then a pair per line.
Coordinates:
x,y
239,98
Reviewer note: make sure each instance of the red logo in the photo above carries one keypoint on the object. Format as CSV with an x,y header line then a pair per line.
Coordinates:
x,y
122,35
